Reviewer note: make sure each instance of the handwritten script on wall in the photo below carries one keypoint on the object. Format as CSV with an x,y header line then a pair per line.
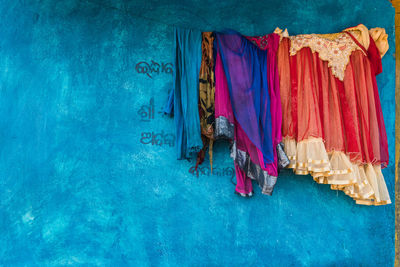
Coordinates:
x,y
157,139
146,114
206,171
154,68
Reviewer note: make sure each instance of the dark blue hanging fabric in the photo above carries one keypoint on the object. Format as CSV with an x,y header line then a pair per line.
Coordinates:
x,y
169,106
245,68
184,101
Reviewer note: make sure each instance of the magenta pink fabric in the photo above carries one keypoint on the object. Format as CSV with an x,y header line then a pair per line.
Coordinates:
x,y
223,108
243,183
223,105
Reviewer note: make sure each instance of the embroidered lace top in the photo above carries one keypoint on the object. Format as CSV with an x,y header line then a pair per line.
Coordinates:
x,y
334,48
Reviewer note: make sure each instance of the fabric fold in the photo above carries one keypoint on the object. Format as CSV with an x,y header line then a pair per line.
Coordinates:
x,y
186,92
250,162
245,68
206,98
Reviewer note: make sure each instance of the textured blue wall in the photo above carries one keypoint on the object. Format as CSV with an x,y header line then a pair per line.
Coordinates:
x,y
78,187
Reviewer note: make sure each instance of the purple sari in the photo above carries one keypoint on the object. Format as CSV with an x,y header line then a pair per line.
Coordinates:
x,y
246,73
251,162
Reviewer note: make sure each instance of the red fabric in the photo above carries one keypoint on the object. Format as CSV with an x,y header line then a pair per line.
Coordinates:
x,y
260,41
285,88
243,182
346,114
357,42
376,65
374,56
293,75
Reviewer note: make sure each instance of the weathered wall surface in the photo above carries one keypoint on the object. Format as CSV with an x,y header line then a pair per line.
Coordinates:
x,y
79,184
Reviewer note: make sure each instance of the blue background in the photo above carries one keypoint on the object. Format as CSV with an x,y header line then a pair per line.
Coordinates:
x,y
78,187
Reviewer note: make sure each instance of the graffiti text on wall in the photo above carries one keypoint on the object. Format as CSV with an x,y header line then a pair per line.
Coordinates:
x,y
157,139
206,171
152,68
146,112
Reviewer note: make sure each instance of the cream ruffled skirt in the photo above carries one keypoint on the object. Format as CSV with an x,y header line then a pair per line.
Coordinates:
x,y
364,183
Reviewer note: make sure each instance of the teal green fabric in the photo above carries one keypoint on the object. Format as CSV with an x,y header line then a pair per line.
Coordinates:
x,y
186,92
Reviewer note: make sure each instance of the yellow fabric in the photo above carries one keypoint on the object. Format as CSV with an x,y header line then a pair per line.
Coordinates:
x,y
281,33
330,36
381,40
206,96
364,183
371,190
360,32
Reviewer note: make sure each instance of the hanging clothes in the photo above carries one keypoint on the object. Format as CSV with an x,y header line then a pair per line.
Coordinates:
x,y
245,68
270,43
224,119
186,92
333,125
254,86
206,97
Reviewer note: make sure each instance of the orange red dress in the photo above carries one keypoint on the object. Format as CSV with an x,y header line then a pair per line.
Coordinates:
x,y
333,126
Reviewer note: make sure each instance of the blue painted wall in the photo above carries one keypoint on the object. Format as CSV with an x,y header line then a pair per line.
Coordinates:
x,y
78,187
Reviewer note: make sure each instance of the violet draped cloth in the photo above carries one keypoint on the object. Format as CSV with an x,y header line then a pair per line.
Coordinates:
x,y
245,68
184,101
249,160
